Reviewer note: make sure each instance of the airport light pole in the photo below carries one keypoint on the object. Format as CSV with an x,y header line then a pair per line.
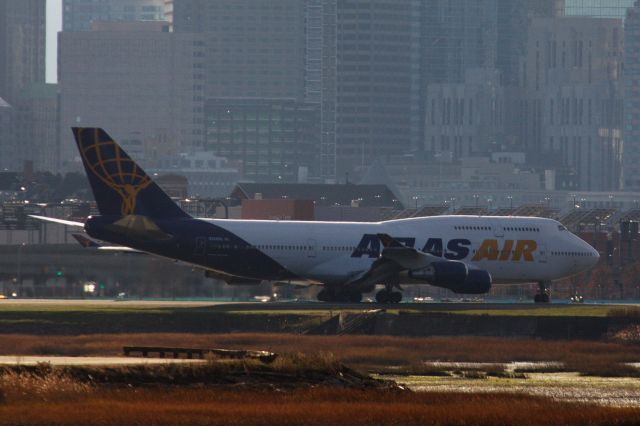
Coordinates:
x,y
415,199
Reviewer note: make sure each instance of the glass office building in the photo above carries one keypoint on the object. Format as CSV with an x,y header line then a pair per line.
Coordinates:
x,y
598,8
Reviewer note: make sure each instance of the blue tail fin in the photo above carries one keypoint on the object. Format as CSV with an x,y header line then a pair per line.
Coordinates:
x,y
119,185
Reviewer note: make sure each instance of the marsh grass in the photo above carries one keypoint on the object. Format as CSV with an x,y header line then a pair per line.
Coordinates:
x,y
319,406
384,354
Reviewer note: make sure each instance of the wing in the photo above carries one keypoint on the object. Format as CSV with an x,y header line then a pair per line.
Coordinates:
x,y
405,257
395,258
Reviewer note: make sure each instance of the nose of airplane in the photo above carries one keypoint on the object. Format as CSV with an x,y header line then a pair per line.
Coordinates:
x,y
595,255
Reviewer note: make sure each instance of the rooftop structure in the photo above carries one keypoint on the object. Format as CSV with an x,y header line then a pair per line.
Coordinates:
x,y
598,8
321,194
78,15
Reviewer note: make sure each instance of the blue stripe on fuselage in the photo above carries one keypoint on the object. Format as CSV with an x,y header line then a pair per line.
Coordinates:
x,y
196,242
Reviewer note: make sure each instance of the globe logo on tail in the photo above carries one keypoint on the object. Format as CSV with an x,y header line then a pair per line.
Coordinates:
x,y
106,160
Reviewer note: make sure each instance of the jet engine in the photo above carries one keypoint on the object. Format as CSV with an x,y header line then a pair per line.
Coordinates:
x,y
455,276
442,274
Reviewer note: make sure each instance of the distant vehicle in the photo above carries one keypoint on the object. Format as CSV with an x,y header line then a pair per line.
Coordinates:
x,y
420,299
466,254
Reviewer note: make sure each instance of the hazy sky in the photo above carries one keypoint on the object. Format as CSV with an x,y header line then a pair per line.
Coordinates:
x,y
54,24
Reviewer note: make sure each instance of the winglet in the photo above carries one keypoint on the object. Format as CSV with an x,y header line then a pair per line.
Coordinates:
x,y
58,221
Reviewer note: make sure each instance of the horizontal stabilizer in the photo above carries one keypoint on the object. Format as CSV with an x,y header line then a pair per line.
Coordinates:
x,y
85,242
91,244
58,221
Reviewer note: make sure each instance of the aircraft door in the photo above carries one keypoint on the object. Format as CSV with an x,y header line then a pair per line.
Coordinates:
x,y
498,232
311,248
201,246
542,253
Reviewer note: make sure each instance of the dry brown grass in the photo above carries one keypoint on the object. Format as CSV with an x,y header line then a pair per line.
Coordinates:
x,y
318,406
625,311
364,352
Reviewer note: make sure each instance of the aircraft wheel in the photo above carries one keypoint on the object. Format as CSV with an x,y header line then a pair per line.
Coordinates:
x,y
326,296
541,298
396,297
383,296
354,297
544,293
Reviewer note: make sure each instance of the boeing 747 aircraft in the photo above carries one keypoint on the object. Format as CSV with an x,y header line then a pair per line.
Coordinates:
x,y
466,254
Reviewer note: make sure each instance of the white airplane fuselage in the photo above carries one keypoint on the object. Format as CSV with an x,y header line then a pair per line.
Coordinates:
x,y
511,249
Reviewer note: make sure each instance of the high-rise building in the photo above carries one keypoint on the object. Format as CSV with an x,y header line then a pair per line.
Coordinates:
x,y
79,14
254,48
472,60
266,66
141,83
466,119
631,158
22,46
570,115
378,81
320,77
37,128
514,17
273,140
598,8
459,35
7,145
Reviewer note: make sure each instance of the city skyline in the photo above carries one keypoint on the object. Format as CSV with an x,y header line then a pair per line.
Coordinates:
x,y
383,92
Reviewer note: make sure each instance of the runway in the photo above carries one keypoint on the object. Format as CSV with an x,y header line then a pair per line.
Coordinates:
x,y
311,306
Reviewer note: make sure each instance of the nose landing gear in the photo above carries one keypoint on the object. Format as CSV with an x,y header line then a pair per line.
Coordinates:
x,y
544,292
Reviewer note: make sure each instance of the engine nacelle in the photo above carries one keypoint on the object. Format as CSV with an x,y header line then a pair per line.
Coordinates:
x,y
477,282
442,274
456,277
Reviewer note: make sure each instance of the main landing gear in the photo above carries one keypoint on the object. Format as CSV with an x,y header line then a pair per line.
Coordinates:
x,y
544,292
343,296
387,295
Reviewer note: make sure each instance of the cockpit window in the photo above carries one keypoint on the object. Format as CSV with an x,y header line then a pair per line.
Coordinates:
x,y
561,228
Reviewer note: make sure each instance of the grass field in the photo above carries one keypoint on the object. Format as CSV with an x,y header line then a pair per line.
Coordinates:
x,y
70,403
